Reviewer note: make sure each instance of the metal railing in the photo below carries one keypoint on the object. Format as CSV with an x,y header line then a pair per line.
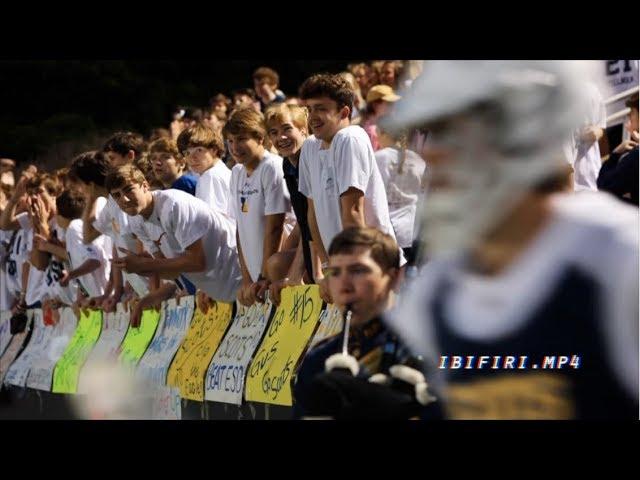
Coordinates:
x,y
615,98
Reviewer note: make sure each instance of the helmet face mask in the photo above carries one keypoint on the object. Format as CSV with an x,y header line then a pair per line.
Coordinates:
x,y
471,184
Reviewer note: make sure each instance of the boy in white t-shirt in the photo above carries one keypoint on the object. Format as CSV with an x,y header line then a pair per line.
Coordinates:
x,y
89,262
34,198
16,266
338,172
259,201
203,146
69,205
201,242
103,216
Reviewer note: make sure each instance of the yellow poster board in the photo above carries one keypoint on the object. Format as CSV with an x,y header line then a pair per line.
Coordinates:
x,y
192,359
137,340
271,371
67,371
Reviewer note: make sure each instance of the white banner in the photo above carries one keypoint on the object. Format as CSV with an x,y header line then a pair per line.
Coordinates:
x,y
166,403
224,381
330,324
14,347
5,330
174,322
41,373
38,345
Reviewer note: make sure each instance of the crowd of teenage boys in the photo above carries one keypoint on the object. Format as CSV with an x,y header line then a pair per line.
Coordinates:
x,y
253,193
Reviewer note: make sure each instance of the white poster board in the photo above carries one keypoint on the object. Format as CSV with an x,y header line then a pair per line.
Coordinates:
x,y
14,347
41,373
166,403
224,381
107,348
5,330
37,347
175,319
331,323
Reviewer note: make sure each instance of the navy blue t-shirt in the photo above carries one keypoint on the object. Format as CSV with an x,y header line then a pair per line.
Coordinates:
x,y
186,183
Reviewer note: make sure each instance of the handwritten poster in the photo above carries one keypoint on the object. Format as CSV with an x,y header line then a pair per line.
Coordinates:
x,y
41,373
191,362
174,322
330,324
107,348
273,366
38,345
166,403
5,330
15,347
138,339
225,378
67,371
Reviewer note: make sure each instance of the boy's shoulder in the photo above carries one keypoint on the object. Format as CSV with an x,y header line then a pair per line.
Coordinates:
x,y
75,226
352,132
311,144
271,162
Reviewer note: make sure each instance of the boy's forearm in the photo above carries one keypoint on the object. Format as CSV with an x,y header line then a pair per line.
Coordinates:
x,y
246,276
296,269
271,245
156,297
315,234
89,233
87,267
172,266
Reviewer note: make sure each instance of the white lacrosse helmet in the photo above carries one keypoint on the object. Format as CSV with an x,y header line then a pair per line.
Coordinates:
x,y
506,121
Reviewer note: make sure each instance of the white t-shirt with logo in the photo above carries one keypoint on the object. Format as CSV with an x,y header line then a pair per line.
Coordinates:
x,y
181,220
213,187
111,221
52,274
17,255
326,174
21,253
254,197
95,282
403,189
39,281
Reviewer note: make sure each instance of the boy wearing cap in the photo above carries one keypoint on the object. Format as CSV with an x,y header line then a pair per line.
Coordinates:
x,y
379,100
338,171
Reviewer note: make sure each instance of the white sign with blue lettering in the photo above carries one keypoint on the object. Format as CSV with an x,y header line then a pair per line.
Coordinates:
x,y
224,381
175,319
